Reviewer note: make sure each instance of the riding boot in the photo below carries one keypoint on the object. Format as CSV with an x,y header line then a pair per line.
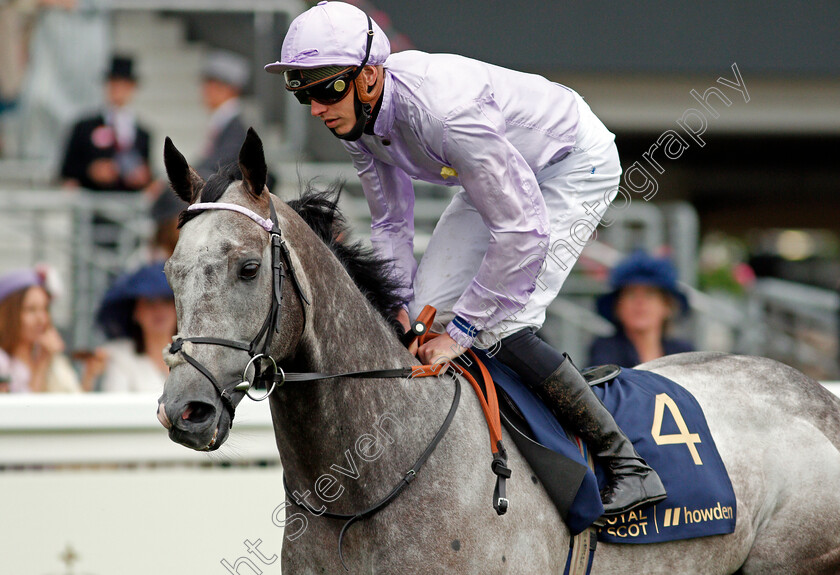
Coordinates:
x,y
631,483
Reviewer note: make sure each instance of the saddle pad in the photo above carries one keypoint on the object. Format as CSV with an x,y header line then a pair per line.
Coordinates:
x,y
668,429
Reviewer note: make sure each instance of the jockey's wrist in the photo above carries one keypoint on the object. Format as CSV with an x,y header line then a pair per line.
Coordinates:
x,y
462,331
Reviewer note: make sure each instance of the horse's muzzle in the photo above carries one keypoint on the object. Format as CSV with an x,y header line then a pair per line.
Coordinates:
x,y
162,417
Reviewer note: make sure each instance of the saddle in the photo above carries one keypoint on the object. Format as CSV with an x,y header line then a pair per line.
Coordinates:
x,y
560,468
667,427
663,420
561,473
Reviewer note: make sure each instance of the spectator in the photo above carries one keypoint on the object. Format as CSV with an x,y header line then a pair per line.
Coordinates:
x,y
15,18
110,150
138,315
644,299
224,76
31,349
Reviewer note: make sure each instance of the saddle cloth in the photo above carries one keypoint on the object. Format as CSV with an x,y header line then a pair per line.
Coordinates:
x,y
667,428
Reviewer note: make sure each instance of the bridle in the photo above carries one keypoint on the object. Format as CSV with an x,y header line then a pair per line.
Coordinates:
x,y
281,265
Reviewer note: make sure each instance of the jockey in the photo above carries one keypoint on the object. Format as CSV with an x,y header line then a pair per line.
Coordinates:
x,y
536,170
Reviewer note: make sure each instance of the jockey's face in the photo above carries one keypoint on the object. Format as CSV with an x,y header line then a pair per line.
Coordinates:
x,y
340,116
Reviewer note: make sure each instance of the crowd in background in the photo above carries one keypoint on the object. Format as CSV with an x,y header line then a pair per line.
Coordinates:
x,y
137,316
86,93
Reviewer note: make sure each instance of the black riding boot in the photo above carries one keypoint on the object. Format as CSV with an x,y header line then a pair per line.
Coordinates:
x,y
631,483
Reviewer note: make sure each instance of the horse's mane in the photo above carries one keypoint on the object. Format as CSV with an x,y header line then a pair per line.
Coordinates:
x,y
214,187
372,274
319,209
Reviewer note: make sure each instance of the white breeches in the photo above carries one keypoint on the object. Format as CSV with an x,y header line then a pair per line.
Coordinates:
x,y
577,191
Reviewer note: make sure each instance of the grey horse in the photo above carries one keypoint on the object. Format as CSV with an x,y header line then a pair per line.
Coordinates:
x,y
345,443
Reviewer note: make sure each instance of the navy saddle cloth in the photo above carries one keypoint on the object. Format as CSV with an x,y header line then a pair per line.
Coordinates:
x,y
667,428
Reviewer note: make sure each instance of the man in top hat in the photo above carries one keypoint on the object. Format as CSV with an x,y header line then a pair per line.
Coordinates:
x,y
110,150
224,76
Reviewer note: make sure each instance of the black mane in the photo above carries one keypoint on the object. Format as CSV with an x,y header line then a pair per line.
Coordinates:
x,y
214,187
319,209
371,273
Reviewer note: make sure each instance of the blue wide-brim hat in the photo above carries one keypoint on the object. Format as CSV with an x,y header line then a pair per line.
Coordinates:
x,y
639,268
115,315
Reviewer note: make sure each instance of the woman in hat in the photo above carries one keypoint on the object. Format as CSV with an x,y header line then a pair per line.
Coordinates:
x,y
31,349
138,315
644,299
535,168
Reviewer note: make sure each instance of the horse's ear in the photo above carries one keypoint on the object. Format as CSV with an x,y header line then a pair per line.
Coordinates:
x,y
184,180
252,163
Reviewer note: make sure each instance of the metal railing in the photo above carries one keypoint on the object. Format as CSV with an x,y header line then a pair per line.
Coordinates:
x,y
114,429
87,238
92,237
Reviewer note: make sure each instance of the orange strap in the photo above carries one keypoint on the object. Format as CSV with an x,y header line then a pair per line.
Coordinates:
x,y
420,326
489,404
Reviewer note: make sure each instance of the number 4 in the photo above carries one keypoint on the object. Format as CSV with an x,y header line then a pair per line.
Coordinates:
x,y
663,401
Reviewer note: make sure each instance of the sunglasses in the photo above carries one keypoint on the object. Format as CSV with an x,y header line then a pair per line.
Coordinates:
x,y
326,86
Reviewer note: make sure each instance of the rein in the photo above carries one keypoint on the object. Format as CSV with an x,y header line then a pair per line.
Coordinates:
x,y
490,407
281,265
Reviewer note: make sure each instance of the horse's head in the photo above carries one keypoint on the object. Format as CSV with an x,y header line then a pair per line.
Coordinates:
x,y
227,278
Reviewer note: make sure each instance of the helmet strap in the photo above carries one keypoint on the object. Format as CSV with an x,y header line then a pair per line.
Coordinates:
x,y
363,113
363,96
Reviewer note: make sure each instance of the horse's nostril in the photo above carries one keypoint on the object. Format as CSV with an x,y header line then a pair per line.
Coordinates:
x,y
198,412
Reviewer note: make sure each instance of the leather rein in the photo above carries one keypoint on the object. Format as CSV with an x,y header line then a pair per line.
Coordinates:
x,y
281,265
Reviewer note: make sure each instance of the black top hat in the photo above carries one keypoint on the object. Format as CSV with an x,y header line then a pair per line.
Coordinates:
x,y
122,67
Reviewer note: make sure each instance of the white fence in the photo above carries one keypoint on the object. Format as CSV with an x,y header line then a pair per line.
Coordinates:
x,y
96,477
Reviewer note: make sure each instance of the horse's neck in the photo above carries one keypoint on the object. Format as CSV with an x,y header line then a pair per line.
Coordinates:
x,y
343,331
319,423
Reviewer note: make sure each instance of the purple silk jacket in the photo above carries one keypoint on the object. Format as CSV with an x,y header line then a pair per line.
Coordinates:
x,y
455,121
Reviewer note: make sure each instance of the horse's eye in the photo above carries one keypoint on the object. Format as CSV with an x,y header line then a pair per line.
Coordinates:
x,y
249,271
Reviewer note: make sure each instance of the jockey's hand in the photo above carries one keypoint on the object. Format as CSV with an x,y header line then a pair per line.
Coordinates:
x,y
441,349
405,322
